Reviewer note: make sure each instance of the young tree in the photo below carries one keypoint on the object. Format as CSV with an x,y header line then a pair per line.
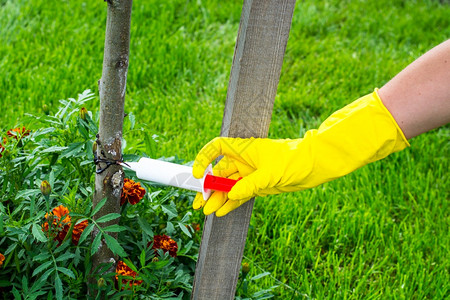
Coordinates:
x,y
112,86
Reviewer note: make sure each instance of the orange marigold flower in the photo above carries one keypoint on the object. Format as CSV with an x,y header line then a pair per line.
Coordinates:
x,y
60,223
78,230
131,192
165,243
2,259
123,270
1,150
18,133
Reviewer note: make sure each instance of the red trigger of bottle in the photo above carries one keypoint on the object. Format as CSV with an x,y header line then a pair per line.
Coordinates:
x,y
219,183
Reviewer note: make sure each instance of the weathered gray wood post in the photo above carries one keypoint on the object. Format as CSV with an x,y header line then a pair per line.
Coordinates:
x,y
258,57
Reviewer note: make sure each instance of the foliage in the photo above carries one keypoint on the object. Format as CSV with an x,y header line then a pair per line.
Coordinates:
x,y
52,167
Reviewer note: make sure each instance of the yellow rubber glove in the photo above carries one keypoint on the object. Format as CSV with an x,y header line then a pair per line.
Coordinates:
x,y
360,133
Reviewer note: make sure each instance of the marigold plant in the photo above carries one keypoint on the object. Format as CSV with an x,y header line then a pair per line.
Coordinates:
x,y
51,229
78,230
59,220
18,133
60,225
166,244
131,192
122,270
2,259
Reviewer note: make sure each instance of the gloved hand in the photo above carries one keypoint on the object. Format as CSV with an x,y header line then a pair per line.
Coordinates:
x,y
360,133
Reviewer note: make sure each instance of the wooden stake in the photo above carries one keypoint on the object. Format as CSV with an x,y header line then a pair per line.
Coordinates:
x,y
258,57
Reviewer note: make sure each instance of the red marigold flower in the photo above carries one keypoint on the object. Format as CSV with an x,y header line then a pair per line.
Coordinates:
x,y
18,133
2,259
1,150
123,270
131,192
165,243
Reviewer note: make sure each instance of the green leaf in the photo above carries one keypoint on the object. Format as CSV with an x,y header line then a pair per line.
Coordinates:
x,y
42,256
25,284
159,264
44,131
96,243
88,149
51,178
35,295
16,294
37,286
46,274
77,257
63,247
86,233
170,211
184,229
66,272
108,217
114,228
65,256
256,277
170,229
81,125
25,194
150,144
10,248
77,215
187,247
99,206
114,246
32,205
186,217
58,287
73,150
38,233
145,226
91,124
132,119
42,267
54,149
142,258
130,264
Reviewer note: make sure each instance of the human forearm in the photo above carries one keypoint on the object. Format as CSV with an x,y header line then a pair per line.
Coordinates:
x,y
419,96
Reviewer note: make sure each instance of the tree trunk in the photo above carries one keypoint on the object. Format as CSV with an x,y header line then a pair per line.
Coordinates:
x,y
112,86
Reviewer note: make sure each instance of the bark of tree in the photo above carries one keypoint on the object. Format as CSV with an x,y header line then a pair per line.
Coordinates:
x,y
112,86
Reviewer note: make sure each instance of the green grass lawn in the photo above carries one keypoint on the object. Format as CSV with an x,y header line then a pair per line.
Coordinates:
x,y
378,233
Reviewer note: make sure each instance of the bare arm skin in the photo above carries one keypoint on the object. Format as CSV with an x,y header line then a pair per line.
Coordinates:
x,y
419,96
